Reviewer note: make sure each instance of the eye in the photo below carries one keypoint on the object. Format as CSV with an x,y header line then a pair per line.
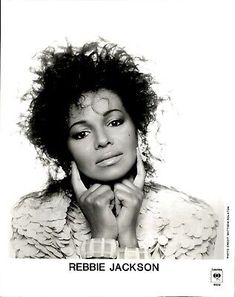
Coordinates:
x,y
115,123
80,135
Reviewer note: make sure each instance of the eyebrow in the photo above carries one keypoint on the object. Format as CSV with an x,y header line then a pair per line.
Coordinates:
x,y
104,114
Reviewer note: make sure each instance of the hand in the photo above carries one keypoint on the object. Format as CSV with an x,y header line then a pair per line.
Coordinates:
x,y
130,196
95,204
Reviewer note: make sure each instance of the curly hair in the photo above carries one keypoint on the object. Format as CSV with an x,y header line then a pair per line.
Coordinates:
x,y
67,73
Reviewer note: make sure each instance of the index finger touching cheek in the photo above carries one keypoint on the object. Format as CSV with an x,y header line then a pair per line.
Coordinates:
x,y
78,185
140,177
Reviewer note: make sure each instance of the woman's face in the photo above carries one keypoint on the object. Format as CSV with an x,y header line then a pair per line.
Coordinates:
x,y
102,137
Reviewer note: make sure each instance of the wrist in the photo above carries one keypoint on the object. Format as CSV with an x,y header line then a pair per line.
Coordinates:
x,y
103,234
107,232
133,253
128,239
108,249
99,248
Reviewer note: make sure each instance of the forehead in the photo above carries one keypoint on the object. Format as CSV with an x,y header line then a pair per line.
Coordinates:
x,y
97,102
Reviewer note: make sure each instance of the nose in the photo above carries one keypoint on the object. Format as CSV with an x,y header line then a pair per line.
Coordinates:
x,y
102,138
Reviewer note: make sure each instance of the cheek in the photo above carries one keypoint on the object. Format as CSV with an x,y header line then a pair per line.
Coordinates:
x,y
132,138
132,142
80,153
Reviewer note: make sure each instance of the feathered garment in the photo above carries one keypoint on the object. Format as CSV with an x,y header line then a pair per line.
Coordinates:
x,y
171,225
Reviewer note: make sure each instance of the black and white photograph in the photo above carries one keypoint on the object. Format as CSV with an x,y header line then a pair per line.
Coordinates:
x,y
117,147
89,113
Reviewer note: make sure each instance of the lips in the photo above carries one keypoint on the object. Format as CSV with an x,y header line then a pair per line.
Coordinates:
x,y
109,159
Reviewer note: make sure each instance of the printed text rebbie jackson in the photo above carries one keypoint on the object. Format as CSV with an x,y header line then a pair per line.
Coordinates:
x,y
113,266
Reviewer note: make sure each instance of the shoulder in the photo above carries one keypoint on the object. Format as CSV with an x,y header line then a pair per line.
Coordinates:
x,y
184,205
34,220
42,207
189,229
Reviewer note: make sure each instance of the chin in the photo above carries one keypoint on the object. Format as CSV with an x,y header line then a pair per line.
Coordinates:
x,y
111,177
111,174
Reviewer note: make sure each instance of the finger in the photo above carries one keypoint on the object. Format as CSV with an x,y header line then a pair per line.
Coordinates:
x,y
129,184
140,177
78,185
112,203
89,191
133,189
123,198
101,189
101,200
123,188
93,188
117,206
102,193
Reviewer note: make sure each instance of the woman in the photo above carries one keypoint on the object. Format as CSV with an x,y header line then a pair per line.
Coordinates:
x,y
90,109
